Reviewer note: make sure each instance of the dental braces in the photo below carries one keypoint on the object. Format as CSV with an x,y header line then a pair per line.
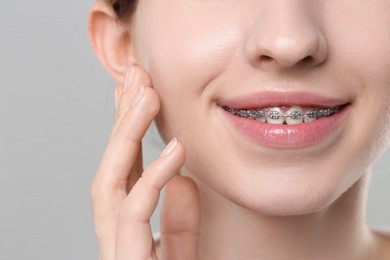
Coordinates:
x,y
258,114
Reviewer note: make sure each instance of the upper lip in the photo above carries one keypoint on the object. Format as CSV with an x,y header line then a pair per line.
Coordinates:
x,y
281,98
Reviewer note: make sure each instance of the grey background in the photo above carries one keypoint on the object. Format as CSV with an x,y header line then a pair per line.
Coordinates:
x,y
56,113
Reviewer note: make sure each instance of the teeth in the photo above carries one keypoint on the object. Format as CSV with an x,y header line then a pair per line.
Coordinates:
x,y
294,116
310,116
261,119
275,116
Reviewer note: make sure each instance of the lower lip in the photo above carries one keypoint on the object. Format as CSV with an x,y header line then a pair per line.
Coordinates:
x,y
288,136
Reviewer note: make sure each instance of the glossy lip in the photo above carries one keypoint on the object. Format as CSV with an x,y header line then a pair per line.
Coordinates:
x,y
278,98
286,136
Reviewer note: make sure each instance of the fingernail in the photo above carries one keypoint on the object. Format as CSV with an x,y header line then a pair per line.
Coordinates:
x,y
137,96
169,148
129,78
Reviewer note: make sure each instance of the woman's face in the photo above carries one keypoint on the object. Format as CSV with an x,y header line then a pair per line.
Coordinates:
x,y
206,54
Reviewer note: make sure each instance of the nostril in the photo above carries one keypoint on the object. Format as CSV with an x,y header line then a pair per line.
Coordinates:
x,y
266,58
307,59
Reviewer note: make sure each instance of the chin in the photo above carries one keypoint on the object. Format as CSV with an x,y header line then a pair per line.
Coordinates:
x,y
286,201
293,203
291,192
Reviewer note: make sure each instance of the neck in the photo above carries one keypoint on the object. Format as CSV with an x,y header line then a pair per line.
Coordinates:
x,y
337,232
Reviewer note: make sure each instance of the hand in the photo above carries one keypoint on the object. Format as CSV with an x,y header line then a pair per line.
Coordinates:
x,y
124,196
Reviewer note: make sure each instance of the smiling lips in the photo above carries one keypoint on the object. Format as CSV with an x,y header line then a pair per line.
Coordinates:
x,y
273,120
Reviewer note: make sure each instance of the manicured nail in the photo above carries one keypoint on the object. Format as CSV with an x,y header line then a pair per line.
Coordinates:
x,y
169,148
129,78
138,95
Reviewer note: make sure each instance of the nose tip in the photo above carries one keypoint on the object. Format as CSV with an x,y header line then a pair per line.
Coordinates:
x,y
291,50
287,37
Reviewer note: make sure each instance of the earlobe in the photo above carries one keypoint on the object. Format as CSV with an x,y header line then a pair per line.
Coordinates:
x,y
110,40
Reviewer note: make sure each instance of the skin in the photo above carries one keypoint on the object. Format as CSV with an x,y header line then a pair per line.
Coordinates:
x,y
188,55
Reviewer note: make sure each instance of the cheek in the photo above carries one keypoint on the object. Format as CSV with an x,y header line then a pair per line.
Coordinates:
x,y
184,48
359,43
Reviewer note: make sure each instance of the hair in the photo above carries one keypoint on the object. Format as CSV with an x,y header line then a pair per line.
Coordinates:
x,y
123,8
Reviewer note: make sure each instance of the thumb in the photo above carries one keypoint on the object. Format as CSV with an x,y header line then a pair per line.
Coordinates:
x,y
180,220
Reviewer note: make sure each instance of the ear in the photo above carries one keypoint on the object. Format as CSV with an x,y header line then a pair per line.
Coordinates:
x,y
110,40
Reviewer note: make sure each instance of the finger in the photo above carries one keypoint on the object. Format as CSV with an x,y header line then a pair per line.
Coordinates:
x,y
131,76
134,237
180,220
123,149
136,78
111,183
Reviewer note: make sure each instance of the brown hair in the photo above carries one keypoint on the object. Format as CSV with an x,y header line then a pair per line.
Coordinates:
x,y
123,8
